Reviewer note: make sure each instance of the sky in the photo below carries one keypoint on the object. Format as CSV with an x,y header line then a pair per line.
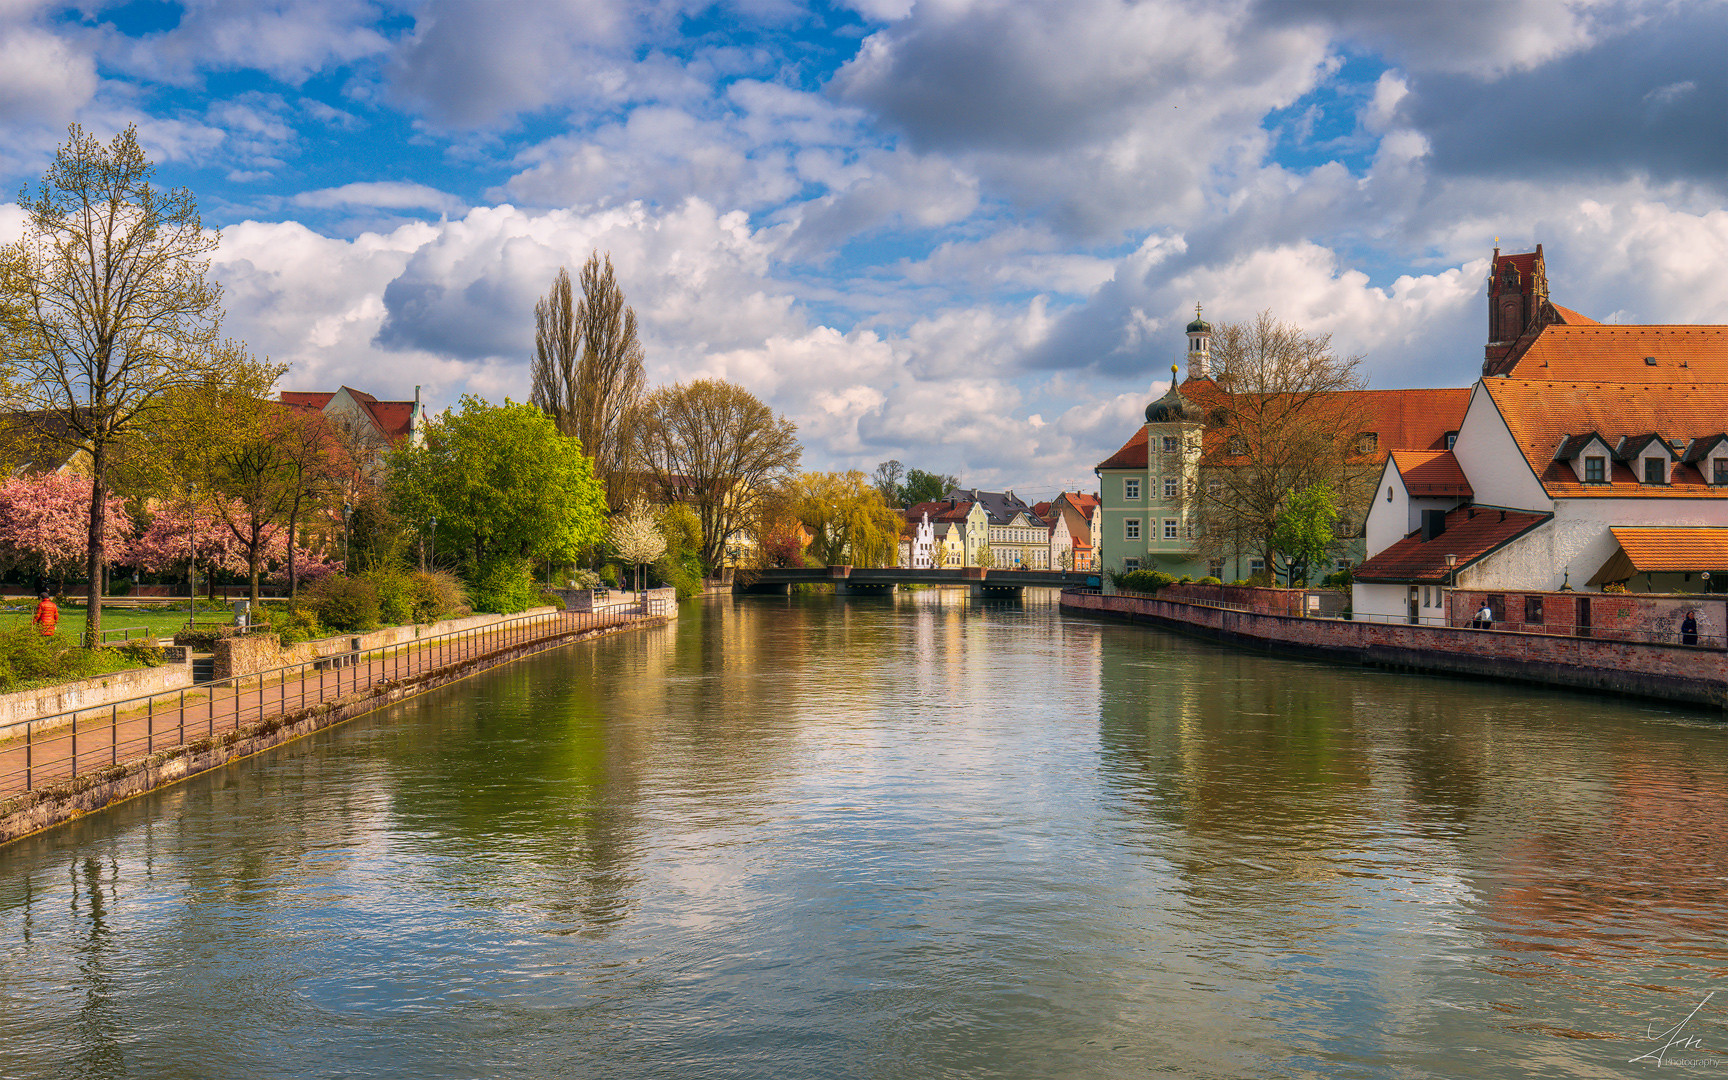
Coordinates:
x,y
964,234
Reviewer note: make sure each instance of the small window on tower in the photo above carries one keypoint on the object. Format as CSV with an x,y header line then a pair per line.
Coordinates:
x,y
1169,487
1169,444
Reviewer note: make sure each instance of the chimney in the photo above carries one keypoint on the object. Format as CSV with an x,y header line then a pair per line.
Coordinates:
x,y
1433,524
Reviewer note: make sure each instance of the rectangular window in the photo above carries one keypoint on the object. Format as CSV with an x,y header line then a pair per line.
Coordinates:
x,y
1215,568
1451,439
1720,475
1655,470
1170,527
1497,607
1533,610
1131,490
1256,567
1131,529
1169,487
1595,470
1130,565
1341,564
1214,489
1169,444
1367,442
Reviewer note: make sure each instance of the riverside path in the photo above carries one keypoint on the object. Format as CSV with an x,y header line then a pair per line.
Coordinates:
x,y
67,745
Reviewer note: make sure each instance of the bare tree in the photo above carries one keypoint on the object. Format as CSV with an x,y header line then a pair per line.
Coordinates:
x,y
715,446
105,306
887,479
587,370
1285,418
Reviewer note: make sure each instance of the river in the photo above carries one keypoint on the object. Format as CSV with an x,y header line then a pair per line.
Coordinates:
x,y
906,837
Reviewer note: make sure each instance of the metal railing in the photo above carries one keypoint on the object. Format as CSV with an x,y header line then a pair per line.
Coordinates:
x,y
125,633
78,741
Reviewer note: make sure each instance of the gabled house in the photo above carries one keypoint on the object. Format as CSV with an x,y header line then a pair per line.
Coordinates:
x,y
371,428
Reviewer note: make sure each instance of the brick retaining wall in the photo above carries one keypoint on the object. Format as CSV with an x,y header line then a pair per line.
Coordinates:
x,y
1668,672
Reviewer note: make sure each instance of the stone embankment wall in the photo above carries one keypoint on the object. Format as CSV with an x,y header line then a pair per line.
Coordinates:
x,y
173,674
1291,602
1695,675
260,652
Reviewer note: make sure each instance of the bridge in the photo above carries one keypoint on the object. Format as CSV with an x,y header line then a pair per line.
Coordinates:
x,y
858,581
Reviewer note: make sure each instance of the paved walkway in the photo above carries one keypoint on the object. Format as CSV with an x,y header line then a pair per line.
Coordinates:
x,y
110,734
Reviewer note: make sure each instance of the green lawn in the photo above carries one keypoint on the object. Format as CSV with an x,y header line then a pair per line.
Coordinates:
x,y
160,620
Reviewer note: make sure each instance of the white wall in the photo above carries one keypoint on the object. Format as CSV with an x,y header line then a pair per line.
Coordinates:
x,y
1387,518
1492,461
1381,602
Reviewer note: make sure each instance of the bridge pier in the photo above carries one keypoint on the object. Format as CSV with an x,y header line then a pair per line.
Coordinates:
x,y
983,591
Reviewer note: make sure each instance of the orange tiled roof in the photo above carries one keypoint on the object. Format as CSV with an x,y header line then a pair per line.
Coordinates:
x,y
1572,318
1677,550
1432,474
1401,419
1616,353
1541,415
307,399
1471,533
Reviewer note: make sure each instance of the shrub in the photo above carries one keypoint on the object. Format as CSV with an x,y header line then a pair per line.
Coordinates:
x,y
1208,580
345,604
584,579
395,595
505,586
1142,581
437,595
1342,579
138,652
204,638
296,624
28,657
609,575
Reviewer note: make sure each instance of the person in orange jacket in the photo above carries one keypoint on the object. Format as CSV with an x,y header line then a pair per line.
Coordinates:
x,y
47,614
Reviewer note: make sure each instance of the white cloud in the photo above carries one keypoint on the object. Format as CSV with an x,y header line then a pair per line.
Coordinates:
x,y
382,194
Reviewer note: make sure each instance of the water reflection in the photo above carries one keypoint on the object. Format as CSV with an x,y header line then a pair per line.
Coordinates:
x,y
914,835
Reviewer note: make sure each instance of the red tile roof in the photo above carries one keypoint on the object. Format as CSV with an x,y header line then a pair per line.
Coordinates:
x,y
1541,415
315,399
1432,474
1572,318
1616,353
1401,419
1470,534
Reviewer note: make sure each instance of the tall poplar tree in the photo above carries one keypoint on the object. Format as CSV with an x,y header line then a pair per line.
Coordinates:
x,y
105,307
587,371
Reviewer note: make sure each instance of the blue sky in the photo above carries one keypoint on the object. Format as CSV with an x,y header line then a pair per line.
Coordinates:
x,y
962,233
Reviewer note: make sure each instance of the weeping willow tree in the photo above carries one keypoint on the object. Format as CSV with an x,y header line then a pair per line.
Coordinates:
x,y
847,518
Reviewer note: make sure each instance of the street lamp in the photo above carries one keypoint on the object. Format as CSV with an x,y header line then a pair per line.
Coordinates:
x,y
432,557
347,512
192,558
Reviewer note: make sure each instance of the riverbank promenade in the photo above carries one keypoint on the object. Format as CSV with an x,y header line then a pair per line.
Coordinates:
x,y
53,751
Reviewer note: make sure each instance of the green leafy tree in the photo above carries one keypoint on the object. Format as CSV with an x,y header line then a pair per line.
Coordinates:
x,y
503,484
1303,532
105,307
847,518
921,486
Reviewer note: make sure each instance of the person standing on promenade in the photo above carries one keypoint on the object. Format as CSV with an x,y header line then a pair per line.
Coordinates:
x,y
1689,629
1484,619
47,613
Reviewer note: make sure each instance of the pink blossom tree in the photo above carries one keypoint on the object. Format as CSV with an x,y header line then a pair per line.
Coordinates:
x,y
167,543
45,525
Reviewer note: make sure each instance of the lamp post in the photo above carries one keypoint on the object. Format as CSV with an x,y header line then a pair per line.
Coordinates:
x,y
192,558
1451,584
432,556
347,512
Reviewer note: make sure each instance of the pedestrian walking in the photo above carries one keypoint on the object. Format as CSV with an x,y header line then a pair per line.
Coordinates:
x,y
1484,619
1689,629
47,613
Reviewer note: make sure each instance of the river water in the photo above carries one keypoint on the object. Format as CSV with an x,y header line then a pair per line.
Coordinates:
x,y
909,837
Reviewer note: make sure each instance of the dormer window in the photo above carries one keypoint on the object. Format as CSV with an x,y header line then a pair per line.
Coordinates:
x,y
1596,470
1451,439
1719,471
1655,470
1367,442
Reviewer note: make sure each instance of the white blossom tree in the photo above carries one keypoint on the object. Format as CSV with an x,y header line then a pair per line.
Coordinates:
x,y
637,538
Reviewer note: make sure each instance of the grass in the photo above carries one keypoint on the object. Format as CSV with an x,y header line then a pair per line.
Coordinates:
x,y
162,621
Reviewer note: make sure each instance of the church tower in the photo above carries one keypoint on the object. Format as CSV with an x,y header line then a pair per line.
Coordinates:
x,y
1199,347
1517,307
